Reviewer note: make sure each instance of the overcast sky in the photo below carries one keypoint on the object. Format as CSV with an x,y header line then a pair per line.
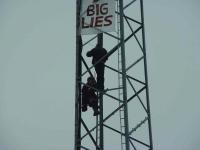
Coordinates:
x,y
37,73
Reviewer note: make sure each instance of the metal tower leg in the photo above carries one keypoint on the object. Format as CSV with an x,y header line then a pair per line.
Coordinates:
x,y
77,115
101,142
146,76
123,58
78,81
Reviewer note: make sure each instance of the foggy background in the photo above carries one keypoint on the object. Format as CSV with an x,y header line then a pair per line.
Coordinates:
x,y
37,73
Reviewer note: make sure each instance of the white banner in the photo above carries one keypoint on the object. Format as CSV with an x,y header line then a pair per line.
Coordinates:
x,y
97,16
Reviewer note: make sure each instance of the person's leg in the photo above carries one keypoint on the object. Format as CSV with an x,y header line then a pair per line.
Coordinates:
x,y
84,104
94,104
100,75
95,109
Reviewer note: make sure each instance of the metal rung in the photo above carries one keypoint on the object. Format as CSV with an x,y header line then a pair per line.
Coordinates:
x,y
123,143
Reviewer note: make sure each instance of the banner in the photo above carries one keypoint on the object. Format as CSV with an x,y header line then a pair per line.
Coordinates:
x,y
97,16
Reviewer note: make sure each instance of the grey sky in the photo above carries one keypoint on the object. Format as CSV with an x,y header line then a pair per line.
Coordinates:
x,y
37,64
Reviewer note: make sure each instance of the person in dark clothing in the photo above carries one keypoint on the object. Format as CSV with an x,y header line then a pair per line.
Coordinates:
x,y
89,97
97,53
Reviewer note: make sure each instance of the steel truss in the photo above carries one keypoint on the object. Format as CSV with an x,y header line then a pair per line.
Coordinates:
x,y
126,83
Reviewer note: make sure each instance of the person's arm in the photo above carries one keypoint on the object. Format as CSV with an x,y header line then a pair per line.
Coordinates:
x,y
84,89
104,52
90,53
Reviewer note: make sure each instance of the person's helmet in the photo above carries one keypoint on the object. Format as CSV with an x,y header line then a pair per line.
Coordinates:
x,y
91,80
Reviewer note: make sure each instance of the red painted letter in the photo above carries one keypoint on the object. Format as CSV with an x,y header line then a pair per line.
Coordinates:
x,y
90,10
108,20
99,21
84,25
104,10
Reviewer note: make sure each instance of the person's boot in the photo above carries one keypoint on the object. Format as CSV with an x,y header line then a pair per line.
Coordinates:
x,y
96,112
